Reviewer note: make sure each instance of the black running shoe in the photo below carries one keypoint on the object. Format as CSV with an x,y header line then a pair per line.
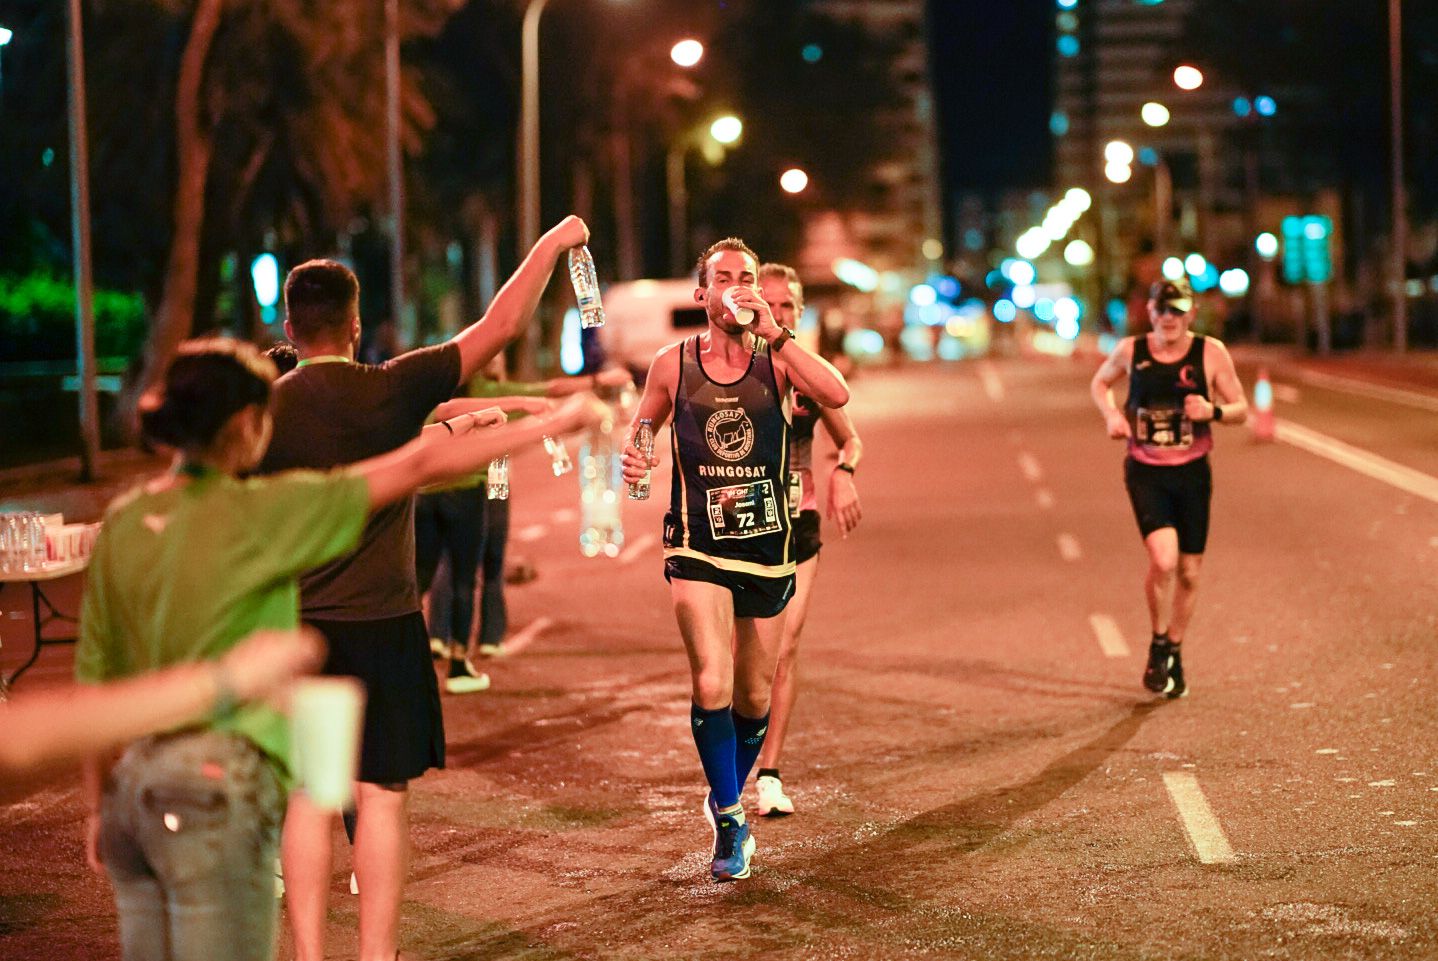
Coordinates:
x,y
1175,687
1160,655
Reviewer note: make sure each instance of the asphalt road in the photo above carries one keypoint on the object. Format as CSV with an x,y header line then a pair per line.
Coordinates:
x,y
978,772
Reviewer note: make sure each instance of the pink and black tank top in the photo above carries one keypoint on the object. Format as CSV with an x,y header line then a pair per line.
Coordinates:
x,y
1162,435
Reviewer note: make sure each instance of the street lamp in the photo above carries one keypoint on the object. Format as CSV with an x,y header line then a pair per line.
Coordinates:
x,y
1154,114
686,53
1187,77
793,181
724,131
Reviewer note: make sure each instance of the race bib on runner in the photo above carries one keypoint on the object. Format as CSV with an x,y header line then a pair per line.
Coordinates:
x,y
1163,427
796,492
745,510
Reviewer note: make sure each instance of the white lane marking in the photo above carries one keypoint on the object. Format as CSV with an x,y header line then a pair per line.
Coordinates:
x,y
1287,393
993,386
521,639
1069,548
1045,498
1355,458
1394,395
532,533
1110,638
565,515
636,548
1030,467
1198,819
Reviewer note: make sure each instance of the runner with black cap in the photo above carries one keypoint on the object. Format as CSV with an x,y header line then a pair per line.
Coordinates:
x,y
1179,385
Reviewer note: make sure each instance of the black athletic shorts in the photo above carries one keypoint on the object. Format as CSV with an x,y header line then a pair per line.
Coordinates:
x,y
1176,497
806,536
754,596
403,728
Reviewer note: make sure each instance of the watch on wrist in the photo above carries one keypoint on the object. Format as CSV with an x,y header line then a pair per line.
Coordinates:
x,y
1217,412
785,335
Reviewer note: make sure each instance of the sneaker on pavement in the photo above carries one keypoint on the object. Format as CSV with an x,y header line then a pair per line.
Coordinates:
x,y
1155,675
354,883
733,847
773,802
438,648
1176,686
491,650
471,681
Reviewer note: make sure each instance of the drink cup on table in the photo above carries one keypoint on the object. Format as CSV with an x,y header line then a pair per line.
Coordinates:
x,y
325,716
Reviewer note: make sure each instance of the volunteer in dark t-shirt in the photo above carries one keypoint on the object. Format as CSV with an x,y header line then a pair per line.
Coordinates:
x,y
331,410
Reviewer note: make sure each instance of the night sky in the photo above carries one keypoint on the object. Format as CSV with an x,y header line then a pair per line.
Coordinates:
x,y
992,70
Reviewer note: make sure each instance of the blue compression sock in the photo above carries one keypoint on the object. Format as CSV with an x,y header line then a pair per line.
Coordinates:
x,y
749,740
714,737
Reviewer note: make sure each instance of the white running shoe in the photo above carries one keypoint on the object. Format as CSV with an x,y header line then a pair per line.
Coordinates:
x,y
471,682
354,884
773,802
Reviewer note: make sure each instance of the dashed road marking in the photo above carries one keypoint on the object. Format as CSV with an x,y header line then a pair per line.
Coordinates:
x,y
1045,498
1287,393
1362,461
1203,829
565,515
1069,548
993,386
527,635
1030,467
1110,638
636,548
532,533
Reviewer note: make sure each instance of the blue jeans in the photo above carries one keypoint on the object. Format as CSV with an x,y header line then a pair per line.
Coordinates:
x,y
189,830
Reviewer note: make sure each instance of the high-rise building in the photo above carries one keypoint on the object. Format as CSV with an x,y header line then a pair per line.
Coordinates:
x,y
892,234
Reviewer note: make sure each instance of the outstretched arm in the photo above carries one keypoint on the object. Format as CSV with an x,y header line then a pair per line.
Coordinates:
x,y
655,406
515,303
439,455
812,375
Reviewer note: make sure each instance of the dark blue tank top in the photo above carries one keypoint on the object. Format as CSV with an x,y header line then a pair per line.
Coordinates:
x,y
728,502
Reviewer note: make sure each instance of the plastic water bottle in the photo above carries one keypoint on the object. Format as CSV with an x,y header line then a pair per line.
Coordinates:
x,y
558,455
498,476
644,443
601,530
586,287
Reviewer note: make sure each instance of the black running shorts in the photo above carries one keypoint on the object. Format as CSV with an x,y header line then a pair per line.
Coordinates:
x,y
754,596
1176,497
806,536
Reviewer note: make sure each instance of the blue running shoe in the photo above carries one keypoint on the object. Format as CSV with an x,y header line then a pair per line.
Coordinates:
x,y
733,847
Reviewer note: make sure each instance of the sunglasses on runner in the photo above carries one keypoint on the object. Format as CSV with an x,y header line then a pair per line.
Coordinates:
x,y
1173,309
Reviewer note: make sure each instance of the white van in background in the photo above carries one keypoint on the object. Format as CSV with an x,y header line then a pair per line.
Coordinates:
x,y
641,316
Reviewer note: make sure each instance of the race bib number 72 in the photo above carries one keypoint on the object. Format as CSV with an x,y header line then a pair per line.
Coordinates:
x,y
744,510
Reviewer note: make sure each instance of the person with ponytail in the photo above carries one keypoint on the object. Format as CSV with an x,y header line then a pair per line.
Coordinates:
x,y
188,564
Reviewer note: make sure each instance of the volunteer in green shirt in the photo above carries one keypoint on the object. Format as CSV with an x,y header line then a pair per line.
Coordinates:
x,y
188,564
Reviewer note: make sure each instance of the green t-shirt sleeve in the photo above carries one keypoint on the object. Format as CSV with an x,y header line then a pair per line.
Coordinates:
x,y
96,652
307,518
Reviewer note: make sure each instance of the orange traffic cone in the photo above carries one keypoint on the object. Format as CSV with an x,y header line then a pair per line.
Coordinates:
x,y
1263,426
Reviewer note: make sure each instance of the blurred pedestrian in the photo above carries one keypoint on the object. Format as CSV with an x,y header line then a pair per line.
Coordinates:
x,y
332,410
1179,385
780,287
187,565
727,550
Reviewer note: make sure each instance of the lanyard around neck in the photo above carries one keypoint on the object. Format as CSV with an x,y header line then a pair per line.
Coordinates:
x,y
324,359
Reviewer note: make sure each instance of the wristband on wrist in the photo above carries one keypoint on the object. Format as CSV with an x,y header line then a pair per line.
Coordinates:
x,y
846,468
448,426
1217,412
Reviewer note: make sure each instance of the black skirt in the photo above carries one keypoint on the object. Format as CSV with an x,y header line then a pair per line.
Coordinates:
x,y
403,725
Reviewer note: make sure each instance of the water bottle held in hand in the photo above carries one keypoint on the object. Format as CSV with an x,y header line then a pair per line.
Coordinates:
x,y
498,485
559,456
586,287
644,443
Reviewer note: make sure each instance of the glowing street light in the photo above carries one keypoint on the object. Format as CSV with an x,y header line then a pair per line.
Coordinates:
x,y
1267,245
793,180
1187,77
1079,253
727,129
1118,173
1118,152
687,53
5,36
1154,114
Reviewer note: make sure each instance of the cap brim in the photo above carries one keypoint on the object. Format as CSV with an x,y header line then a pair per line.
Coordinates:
x,y
1184,304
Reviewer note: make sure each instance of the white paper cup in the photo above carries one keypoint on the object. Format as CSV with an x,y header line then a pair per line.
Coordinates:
x,y
325,716
743,315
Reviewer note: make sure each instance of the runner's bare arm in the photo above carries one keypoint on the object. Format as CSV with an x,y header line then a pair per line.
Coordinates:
x,y
513,306
1111,371
1224,387
655,405
794,365
843,504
